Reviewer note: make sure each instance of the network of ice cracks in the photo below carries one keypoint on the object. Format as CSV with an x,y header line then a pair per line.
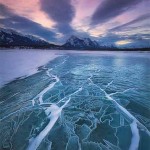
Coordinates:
x,y
73,110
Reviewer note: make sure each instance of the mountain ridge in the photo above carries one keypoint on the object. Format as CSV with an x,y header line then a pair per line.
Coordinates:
x,y
10,38
78,43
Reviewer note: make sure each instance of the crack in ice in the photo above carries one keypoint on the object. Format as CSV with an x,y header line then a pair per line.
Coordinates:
x,y
50,86
135,123
53,112
108,84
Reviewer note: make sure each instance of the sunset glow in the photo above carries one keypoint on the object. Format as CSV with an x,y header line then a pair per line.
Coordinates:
x,y
123,42
124,20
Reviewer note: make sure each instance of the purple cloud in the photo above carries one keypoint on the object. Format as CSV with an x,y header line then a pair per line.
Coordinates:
x,y
14,21
60,11
108,9
137,20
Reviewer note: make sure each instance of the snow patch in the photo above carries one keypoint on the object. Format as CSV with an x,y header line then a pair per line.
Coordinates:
x,y
18,63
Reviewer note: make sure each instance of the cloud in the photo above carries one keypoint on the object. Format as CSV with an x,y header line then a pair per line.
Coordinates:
x,y
11,20
136,40
60,11
5,11
137,20
108,9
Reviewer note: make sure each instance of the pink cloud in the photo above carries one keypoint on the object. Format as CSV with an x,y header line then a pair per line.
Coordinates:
x,y
29,9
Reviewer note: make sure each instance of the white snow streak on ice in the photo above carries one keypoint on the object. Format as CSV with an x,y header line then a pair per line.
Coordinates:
x,y
135,136
53,112
62,100
135,123
108,84
40,95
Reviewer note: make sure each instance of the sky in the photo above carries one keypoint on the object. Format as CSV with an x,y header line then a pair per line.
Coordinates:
x,y
113,22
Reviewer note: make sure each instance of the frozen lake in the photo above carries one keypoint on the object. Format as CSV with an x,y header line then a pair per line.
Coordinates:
x,y
62,100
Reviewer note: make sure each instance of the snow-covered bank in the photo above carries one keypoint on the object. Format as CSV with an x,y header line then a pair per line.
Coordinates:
x,y
18,63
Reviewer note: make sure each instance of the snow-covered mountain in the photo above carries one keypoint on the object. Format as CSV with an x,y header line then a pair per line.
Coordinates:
x,y
85,43
12,38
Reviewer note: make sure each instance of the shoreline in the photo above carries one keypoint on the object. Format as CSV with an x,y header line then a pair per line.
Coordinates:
x,y
91,50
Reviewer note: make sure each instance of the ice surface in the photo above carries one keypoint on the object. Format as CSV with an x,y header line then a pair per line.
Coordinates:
x,y
55,113
79,101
